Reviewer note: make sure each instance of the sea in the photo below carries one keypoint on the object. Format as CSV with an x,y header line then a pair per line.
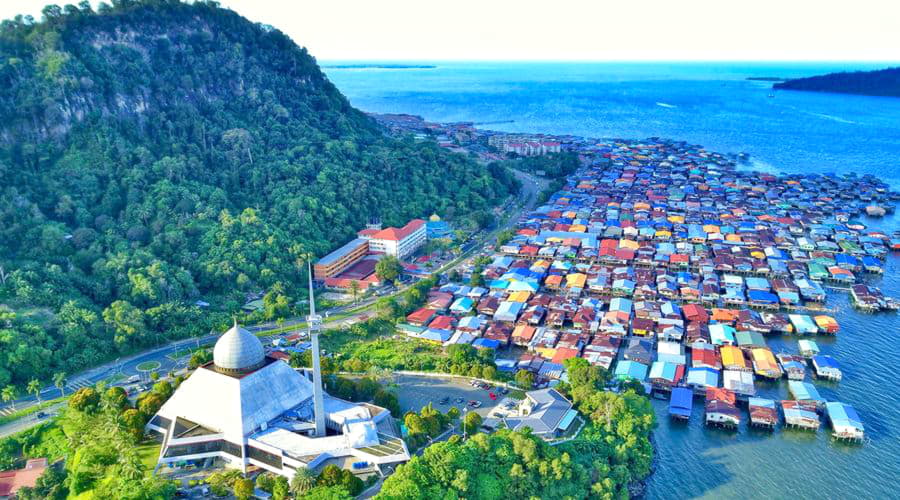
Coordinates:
x,y
714,105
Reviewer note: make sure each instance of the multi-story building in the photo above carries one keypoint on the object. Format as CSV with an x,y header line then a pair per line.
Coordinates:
x,y
399,242
524,145
337,261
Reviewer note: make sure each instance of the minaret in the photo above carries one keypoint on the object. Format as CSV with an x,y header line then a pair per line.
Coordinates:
x,y
315,324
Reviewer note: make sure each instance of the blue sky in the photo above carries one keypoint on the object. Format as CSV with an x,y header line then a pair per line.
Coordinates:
x,y
736,30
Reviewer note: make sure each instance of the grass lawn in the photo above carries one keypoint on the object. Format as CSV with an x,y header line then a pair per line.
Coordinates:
x,y
180,353
148,366
148,451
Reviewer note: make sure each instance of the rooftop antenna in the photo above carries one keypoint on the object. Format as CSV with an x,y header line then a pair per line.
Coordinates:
x,y
314,321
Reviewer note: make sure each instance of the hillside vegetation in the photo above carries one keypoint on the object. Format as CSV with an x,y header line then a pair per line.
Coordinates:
x,y
884,82
156,153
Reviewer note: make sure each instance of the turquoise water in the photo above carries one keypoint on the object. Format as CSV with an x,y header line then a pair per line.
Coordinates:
x,y
713,105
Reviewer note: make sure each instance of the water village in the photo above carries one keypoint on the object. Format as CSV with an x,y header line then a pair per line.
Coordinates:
x,y
670,266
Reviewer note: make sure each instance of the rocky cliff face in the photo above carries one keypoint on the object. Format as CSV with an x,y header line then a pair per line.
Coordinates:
x,y
151,56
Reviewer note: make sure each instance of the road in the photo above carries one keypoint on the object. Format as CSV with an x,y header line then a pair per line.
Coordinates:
x,y
126,368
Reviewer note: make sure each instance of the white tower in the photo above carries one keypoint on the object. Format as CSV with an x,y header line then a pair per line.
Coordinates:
x,y
315,325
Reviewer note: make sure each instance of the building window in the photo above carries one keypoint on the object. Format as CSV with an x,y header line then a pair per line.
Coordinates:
x,y
231,449
264,457
161,422
181,450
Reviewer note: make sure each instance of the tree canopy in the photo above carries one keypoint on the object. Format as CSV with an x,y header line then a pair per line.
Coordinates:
x,y
163,161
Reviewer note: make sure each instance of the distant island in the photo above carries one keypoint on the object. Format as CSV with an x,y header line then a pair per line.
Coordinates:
x,y
379,66
766,78
883,82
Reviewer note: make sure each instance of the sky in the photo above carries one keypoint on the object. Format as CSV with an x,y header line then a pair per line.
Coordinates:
x,y
576,30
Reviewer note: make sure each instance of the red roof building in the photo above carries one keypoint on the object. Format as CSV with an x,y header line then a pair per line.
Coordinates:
x,y
420,317
13,480
399,242
441,323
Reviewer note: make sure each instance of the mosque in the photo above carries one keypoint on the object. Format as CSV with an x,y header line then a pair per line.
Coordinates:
x,y
248,409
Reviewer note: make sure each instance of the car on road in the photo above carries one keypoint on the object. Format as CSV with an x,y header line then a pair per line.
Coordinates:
x,y
444,400
492,396
459,401
41,414
475,404
503,390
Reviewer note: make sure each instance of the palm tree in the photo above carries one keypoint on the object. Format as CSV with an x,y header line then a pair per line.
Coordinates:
x,y
59,380
9,394
34,387
302,482
354,289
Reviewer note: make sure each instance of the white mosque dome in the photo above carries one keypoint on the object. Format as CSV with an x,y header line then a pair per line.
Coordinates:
x,y
237,351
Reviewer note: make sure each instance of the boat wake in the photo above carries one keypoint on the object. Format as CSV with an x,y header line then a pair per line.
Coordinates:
x,y
666,105
835,118
824,116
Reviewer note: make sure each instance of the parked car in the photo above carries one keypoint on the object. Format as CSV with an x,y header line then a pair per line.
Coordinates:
x,y
475,404
41,414
459,401
492,396
503,390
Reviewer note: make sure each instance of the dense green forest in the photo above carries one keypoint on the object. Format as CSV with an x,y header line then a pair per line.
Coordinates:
x,y
883,82
610,454
154,154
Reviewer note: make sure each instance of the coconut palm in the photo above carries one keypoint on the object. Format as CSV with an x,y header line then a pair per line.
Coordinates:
x,y
59,380
34,387
302,482
9,394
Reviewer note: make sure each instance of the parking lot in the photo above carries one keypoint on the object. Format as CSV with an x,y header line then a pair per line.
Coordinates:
x,y
414,392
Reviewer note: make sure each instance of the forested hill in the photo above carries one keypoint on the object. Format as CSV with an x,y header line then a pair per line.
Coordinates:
x,y
884,82
155,153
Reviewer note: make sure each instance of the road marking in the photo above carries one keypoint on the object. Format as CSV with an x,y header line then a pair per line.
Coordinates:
x,y
78,384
